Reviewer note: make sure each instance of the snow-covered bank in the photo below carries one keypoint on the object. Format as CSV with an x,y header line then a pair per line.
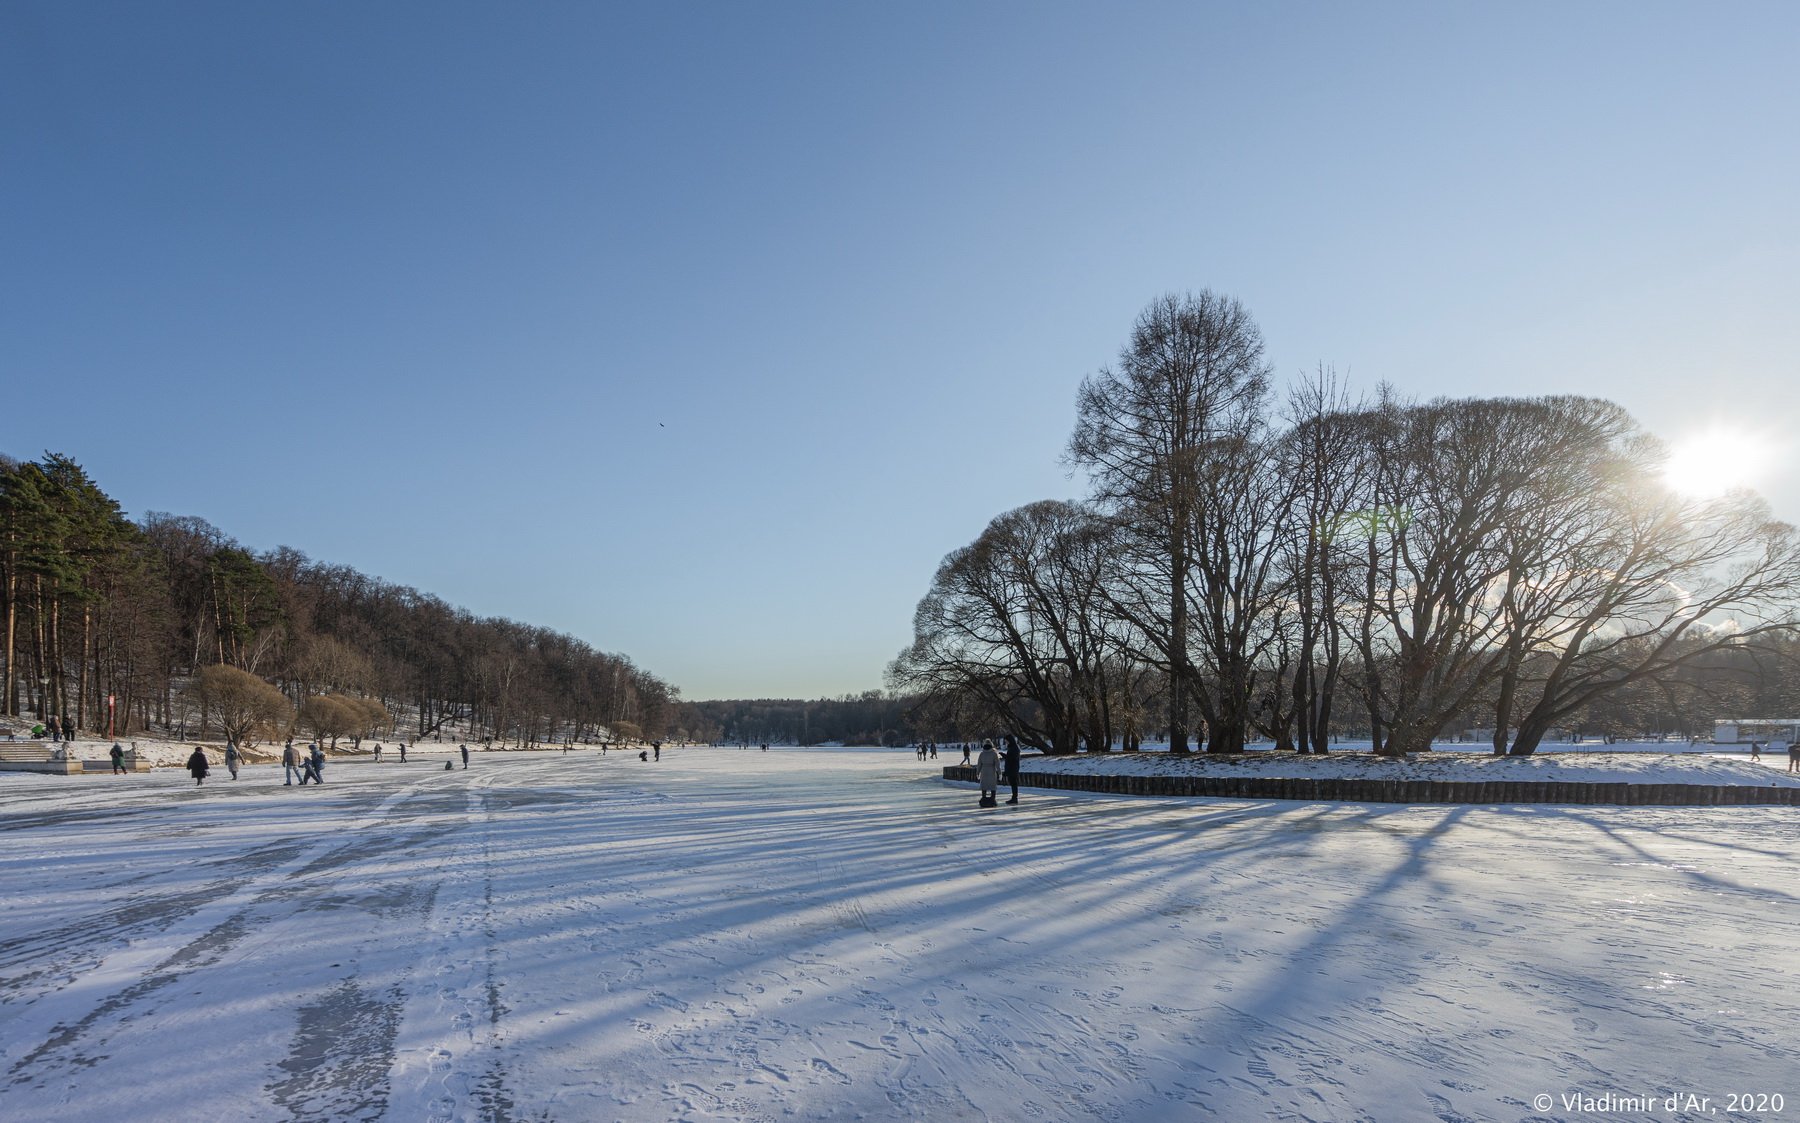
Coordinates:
x,y
829,935
1595,764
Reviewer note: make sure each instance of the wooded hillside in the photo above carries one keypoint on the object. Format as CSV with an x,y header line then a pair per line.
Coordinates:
x,y
96,606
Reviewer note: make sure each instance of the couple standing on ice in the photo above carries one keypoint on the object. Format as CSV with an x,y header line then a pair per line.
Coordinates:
x,y
987,771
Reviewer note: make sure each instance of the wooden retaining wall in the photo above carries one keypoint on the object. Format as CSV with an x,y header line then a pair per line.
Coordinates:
x,y
1407,791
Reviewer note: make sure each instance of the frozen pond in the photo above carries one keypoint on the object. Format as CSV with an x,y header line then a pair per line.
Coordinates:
x,y
835,935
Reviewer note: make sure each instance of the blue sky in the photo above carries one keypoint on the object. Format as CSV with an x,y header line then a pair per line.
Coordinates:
x,y
704,331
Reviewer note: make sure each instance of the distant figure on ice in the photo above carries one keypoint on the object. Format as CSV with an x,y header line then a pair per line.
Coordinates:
x,y
934,750
1012,766
196,765
118,758
645,757
465,756
658,747
231,758
965,747
1756,750
1793,752
987,773
403,752
378,752
290,764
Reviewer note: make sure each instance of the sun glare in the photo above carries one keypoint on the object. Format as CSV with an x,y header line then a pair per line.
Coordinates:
x,y
1709,464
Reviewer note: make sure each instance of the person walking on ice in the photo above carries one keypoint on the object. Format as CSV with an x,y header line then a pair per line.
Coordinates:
x,y
1012,766
118,759
197,766
232,759
290,765
987,772
1793,752
313,765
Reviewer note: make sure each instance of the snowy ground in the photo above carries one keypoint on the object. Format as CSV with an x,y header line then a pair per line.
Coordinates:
x,y
839,934
1647,763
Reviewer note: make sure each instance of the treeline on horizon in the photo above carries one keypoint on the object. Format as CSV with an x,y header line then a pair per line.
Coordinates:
x,y
96,606
1249,565
873,717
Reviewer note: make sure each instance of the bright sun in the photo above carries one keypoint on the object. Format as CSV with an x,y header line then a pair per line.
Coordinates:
x,y
1709,464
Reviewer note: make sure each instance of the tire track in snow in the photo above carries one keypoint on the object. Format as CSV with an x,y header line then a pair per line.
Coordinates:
x,y
201,928
449,1063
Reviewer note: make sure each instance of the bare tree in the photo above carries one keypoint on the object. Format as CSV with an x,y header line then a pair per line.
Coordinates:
x,y
1460,491
1323,452
326,717
243,704
1012,620
1191,375
1679,580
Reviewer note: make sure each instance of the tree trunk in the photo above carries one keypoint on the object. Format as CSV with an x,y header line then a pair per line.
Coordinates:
x,y
1178,738
81,687
1531,733
9,705
1503,710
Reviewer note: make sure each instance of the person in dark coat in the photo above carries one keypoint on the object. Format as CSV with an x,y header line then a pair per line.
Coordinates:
x,y
465,755
312,765
118,758
197,766
68,728
1012,766
290,765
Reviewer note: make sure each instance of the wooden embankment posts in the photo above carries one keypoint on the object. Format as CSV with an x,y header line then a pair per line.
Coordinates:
x,y
1406,791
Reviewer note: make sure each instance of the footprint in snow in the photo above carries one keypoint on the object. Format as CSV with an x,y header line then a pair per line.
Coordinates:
x,y
826,1068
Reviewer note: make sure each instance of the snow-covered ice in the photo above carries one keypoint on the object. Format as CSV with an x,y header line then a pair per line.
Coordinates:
x,y
840,934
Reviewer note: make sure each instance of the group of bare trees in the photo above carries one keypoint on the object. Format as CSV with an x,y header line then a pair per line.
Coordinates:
x,y
1294,568
115,623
